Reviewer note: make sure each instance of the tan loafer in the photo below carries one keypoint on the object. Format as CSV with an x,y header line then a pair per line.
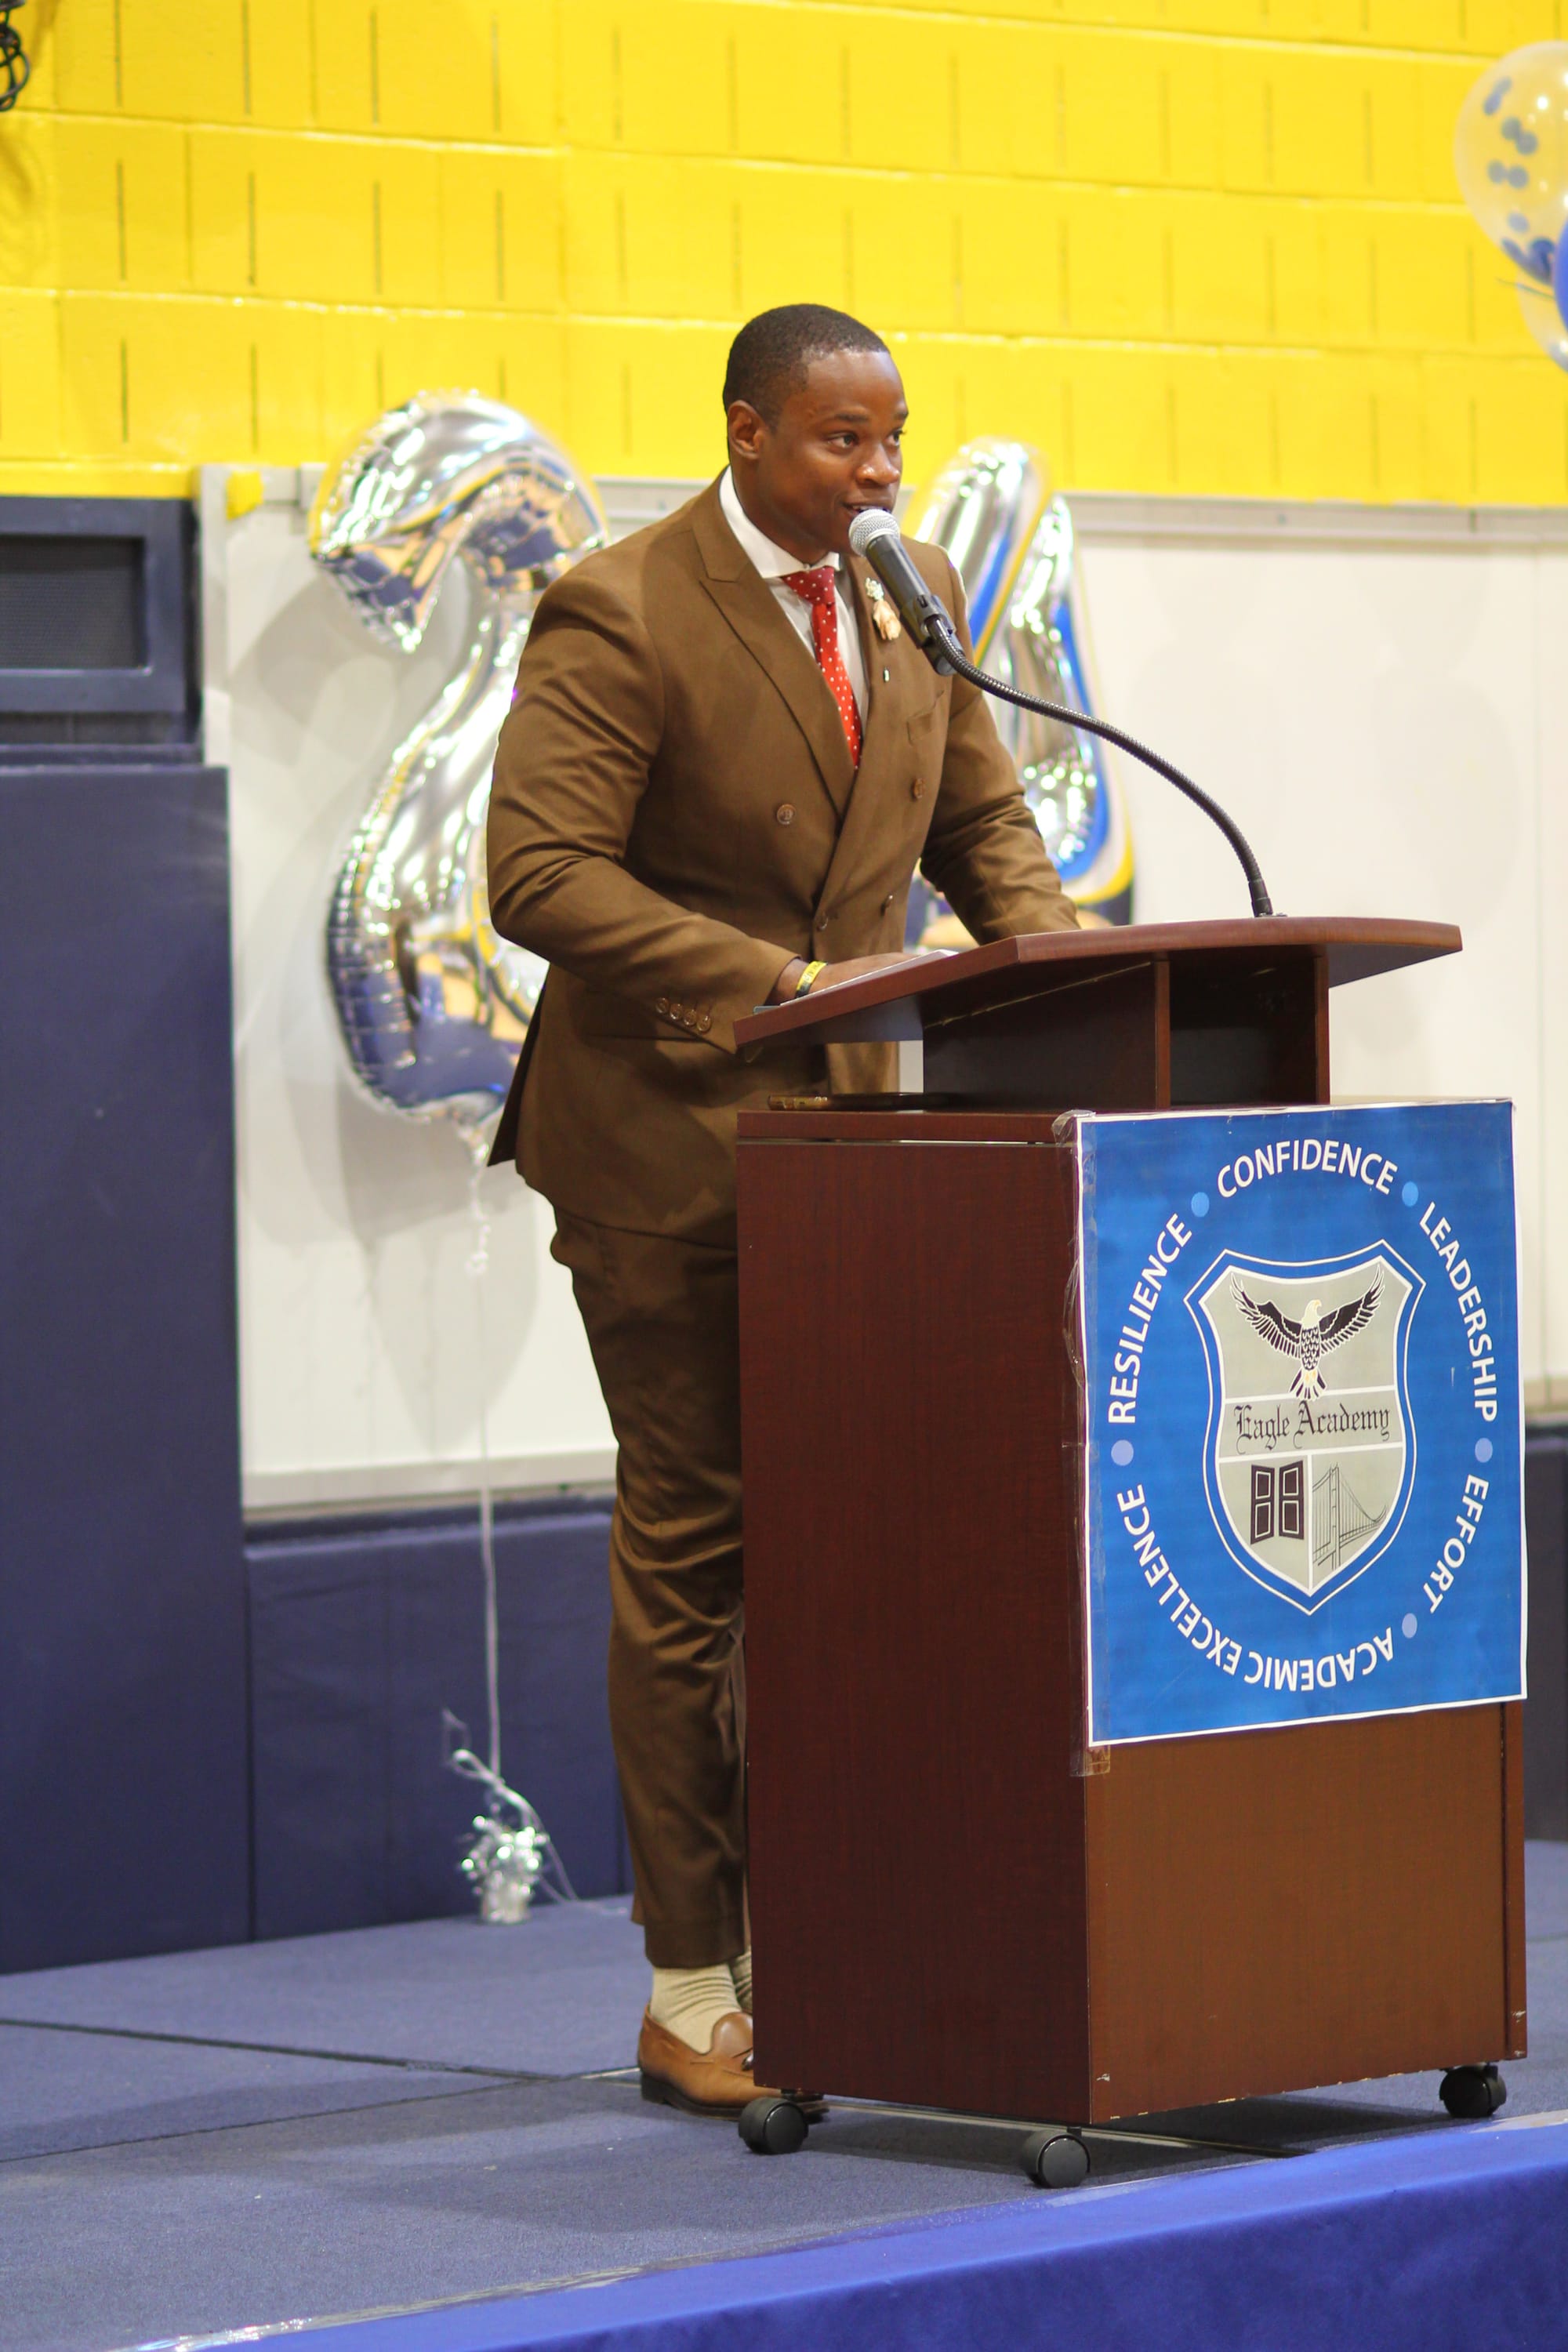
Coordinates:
x,y
714,2082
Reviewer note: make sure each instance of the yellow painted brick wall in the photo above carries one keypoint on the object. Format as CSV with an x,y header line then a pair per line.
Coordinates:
x,y
1189,246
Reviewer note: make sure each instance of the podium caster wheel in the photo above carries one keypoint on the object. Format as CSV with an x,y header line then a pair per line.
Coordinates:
x,y
1472,2093
772,2127
1055,2159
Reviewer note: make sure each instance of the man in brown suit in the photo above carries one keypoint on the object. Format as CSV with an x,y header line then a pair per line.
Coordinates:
x,y
721,770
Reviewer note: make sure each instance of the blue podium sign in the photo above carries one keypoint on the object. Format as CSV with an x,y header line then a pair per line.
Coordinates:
x,y
1304,1467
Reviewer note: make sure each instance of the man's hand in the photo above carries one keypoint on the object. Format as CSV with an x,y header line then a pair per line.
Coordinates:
x,y
833,974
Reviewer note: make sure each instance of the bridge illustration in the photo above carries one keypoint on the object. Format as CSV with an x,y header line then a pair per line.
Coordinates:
x,y
1339,1523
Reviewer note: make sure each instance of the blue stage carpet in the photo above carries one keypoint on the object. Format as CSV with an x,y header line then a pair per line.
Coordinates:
x,y
99,2089
1400,2248
375,2122
560,1996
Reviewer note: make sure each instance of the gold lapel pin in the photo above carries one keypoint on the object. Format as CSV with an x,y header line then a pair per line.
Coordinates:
x,y
883,618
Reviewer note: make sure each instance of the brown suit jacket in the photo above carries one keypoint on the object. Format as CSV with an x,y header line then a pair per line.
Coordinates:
x,y
674,816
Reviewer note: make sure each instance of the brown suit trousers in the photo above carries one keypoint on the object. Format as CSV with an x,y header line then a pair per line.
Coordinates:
x,y
674,816
661,1323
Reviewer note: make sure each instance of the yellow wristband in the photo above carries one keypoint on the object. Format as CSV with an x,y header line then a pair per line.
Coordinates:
x,y
804,984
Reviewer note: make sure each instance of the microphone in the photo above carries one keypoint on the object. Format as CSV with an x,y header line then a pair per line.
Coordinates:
x,y
875,536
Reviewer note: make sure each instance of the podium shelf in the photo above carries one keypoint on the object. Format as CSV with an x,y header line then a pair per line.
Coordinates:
x,y
1146,1016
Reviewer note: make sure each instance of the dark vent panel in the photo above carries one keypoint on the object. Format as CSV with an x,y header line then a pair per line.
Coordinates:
x,y
98,638
71,604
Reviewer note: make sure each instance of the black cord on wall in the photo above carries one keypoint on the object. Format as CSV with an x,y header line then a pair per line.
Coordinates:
x,y
14,67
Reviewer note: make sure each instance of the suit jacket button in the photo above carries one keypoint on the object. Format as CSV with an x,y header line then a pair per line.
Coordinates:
x,y
784,813
917,790
705,1023
887,902
661,1004
821,922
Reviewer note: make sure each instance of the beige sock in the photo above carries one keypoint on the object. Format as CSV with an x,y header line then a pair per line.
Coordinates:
x,y
691,2001
740,1969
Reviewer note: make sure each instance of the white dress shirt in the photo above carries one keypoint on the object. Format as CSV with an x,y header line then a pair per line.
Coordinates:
x,y
772,562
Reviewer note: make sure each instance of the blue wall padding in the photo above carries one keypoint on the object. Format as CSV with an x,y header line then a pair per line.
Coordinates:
x,y
362,1631
123,1819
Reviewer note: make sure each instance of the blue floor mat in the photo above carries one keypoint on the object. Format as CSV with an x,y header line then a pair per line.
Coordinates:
x,y
154,2189
71,2089
561,1993
521,2185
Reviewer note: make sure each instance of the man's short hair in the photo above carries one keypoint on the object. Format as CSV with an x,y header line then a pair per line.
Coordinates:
x,y
770,356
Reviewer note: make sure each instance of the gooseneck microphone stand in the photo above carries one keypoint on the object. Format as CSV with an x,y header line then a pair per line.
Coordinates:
x,y
1257,889
876,536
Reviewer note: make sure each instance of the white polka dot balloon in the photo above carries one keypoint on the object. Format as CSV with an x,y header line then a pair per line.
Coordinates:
x,y
1511,154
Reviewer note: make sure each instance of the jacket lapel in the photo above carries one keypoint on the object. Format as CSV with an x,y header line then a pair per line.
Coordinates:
x,y
887,754
750,608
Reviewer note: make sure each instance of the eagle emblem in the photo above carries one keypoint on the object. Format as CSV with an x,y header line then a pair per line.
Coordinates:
x,y
1317,1334
1307,1482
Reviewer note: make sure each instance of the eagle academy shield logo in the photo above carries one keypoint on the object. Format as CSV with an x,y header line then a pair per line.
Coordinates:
x,y
1310,1454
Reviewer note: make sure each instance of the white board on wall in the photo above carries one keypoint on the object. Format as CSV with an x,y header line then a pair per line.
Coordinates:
x,y
1389,726
363,1337
1381,703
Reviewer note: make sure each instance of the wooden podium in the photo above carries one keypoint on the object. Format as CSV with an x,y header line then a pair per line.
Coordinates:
x,y
955,1903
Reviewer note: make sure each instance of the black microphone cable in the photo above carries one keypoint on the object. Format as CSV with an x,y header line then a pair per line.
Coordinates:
x,y
928,619
1257,889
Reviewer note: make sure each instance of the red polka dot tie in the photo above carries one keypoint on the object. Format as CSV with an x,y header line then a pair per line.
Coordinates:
x,y
819,589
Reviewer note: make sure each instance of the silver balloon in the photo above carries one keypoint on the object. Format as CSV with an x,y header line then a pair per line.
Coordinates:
x,y
434,1007
991,509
